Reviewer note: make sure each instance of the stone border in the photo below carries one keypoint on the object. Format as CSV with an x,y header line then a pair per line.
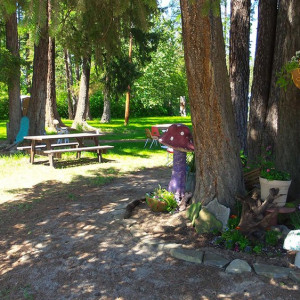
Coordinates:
x,y
236,266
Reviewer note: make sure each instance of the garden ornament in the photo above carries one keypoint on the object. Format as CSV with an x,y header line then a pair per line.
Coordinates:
x,y
292,243
178,137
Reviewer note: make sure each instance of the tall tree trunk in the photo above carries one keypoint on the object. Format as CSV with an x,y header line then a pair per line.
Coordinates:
x,y
69,76
288,141
218,166
267,15
14,80
36,110
127,105
106,115
51,106
80,117
239,65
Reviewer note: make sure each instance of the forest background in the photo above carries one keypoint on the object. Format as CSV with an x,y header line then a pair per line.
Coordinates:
x,y
128,56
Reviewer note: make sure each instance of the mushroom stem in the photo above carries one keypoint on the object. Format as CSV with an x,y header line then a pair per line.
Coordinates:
x,y
177,182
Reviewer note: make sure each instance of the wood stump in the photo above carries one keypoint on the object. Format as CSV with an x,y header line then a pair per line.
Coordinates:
x,y
254,221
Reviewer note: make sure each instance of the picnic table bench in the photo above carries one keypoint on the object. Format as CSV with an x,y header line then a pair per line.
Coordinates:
x,y
50,149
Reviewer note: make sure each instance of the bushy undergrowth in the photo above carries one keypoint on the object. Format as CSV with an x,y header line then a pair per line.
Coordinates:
x,y
231,238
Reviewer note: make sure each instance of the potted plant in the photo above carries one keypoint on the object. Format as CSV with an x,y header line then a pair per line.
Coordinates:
x,y
290,72
269,178
161,200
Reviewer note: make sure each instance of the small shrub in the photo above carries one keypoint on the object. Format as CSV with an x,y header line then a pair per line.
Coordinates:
x,y
272,237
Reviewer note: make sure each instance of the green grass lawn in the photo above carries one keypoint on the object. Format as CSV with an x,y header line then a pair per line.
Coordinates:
x,y
17,174
116,129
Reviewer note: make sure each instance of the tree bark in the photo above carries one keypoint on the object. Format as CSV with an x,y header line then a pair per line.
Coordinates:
x,y
127,105
69,76
267,15
218,166
36,110
80,117
14,81
51,106
239,65
106,115
288,142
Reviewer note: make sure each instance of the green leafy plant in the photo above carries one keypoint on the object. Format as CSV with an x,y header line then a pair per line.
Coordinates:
x,y
257,248
295,219
163,195
233,222
233,239
268,170
272,237
243,158
284,77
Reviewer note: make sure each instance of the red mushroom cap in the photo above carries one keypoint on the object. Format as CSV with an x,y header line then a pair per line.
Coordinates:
x,y
178,137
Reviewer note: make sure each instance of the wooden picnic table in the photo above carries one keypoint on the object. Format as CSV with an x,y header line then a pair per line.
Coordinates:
x,y
50,145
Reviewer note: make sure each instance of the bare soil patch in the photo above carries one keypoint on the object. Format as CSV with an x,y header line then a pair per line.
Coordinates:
x,y
68,241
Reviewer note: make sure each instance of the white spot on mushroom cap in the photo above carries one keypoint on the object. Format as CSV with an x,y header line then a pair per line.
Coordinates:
x,y
182,133
171,138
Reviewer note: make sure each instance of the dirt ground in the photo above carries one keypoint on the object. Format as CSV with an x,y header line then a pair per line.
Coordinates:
x,y
69,241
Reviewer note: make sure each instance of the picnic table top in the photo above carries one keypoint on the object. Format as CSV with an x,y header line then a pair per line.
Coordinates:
x,y
65,136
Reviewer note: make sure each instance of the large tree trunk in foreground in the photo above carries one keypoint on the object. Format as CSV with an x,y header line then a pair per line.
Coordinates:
x,y
80,117
14,81
267,15
36,110
239,65
218,166
288,142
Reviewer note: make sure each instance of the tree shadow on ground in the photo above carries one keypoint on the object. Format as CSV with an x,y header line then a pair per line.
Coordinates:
x,y
68,241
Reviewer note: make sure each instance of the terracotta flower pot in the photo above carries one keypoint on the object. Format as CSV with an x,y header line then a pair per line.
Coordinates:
x,y
266,185
156,205
296,77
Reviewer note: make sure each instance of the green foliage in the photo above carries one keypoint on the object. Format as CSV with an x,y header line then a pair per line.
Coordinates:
x,y
164,196
243,158
234,240
9,65
266,165
4,103
295,219
268,170
233,222
272,237
284,77
257,248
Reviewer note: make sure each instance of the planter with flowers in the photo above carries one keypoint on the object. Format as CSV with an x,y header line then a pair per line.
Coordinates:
x,y
272,178
290,72
161,200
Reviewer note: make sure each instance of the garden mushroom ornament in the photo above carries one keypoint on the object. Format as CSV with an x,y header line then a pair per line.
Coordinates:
x,y
178,137
292,242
